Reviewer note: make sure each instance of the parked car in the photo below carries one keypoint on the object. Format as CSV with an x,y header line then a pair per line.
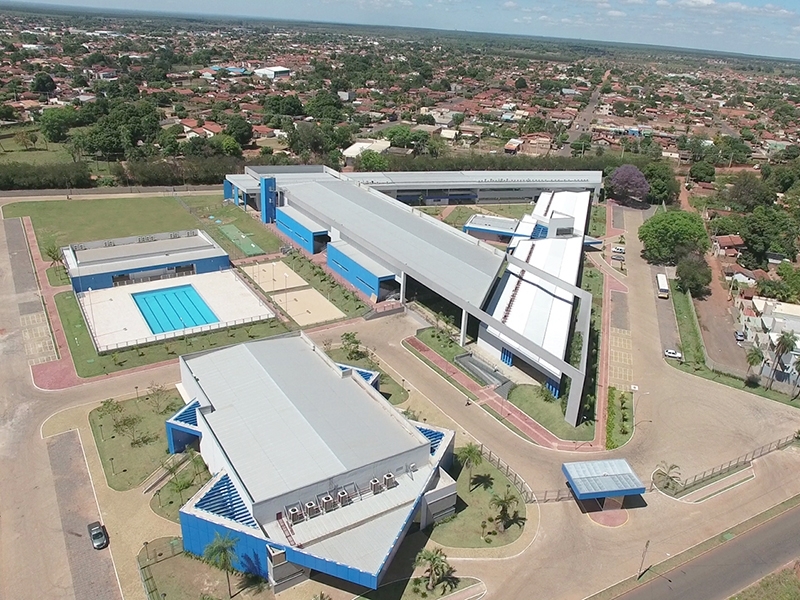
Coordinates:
x,y
673,354
619,257
98,535
618,249
739,335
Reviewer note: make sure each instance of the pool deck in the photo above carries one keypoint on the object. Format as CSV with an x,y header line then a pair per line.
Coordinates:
x,y
116,321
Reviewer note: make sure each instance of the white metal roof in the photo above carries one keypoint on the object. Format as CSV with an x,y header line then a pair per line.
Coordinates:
x,y
373,266
404,239
245,182
548,179
500,224
573,204
286,418
302,219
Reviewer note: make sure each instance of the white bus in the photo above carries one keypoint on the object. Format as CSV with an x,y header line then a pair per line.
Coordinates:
x,y
663,286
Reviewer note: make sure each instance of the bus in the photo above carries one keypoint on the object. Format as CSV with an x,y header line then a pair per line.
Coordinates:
x,y
663,286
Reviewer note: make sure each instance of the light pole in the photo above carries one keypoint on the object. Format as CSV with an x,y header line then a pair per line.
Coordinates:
x,y
136,387
102,439
273,275
146,551
91,311
113,472
286,292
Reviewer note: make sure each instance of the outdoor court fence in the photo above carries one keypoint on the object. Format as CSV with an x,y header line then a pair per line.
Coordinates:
x,y
679,487
519,483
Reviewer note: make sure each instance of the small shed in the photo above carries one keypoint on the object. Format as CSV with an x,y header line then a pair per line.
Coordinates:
x,y
602,479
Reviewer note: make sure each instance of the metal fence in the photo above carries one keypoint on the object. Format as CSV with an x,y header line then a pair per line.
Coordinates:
x,y
519,483
697,481
152,553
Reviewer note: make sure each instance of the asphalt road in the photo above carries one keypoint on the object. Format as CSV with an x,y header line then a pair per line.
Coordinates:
x,y
728,569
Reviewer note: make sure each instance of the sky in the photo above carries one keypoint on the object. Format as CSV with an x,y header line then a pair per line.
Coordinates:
x,y
745,26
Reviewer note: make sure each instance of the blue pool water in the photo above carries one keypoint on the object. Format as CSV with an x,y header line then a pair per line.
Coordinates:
x,y
173,308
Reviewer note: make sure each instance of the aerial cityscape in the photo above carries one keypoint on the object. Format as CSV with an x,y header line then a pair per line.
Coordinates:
x,y
392,301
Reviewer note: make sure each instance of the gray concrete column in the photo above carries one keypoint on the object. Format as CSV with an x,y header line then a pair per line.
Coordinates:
x,y
403,287
463,337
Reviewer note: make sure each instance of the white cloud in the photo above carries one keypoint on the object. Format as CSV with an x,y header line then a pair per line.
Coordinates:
x,y
696,3
662,3
615,13
510,5
633,2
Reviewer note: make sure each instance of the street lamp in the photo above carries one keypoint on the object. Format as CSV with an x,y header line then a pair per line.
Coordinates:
x,y
286,292
113,472
136,387
102,439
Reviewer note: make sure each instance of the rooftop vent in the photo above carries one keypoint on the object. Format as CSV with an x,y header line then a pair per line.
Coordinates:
x,y
344,497
328,503
312,510
295,516
375,485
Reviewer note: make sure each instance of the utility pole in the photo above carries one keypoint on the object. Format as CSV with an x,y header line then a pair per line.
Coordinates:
x,y
641,564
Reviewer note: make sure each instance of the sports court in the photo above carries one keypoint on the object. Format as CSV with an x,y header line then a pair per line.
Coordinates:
x,y
274,276
307,306
240,240
139,313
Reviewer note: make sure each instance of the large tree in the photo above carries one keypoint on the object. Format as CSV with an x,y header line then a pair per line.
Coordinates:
x,y
693,274
628,182
667,236
240,130
369,160
43,83
748,191
663,185
702,171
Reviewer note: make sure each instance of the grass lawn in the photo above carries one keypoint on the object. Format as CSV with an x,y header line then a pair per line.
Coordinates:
x,y
257,232
132,464
390,389
433,211
446,348
619,418
457,385
57,276
346,301
529,399
413,589
459,216
783,585
472,508
167,501
513,211
69,221
88,363
597,222
592,282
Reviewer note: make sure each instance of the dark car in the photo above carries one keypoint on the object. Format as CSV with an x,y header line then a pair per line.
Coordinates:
x,y
98,535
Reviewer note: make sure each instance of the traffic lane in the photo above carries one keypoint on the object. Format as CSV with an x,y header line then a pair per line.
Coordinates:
x,y
730,568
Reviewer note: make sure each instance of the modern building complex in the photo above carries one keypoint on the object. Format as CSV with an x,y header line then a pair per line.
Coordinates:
x,y
312,469
108,263
377,241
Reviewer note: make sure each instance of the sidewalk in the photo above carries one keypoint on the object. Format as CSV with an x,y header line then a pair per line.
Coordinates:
x,y
509,412
60,374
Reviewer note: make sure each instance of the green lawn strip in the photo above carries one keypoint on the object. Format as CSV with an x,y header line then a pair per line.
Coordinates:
x,y
167,501
459,216
132,464
206,207
457,385
345,300
658,570
619,420
445,347
69,221
506,422
693,359
529,399
88,363
390,389
57,276
473,507
512,211
433,211
783,585
414,589
597,222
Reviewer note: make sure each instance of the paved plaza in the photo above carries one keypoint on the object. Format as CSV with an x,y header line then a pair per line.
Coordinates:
x,y
116,321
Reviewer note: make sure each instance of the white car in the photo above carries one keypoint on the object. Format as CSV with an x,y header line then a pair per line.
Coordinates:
x,y
673,354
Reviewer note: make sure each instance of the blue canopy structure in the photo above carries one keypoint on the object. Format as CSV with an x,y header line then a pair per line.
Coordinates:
x,y
602,479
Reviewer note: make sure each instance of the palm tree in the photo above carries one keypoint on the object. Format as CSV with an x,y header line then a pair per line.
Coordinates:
x,y
786,342
53,253
221,552
671,474
754,357
435,563
470,456
504,504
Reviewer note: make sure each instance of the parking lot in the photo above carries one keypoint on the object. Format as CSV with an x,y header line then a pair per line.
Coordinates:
x,y
92,571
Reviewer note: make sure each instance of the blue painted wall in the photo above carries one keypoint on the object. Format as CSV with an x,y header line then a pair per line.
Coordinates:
x,y
296,232
298,557
251,552
353,272
227,190
178,437
268,199
104,280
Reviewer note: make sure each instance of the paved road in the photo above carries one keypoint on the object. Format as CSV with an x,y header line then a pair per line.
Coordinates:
x,y
583,120
728,569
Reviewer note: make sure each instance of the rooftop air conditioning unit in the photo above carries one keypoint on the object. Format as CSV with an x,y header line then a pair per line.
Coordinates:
x,y
344,497
295,515
328,503
375,485
412,467
311,509
389,481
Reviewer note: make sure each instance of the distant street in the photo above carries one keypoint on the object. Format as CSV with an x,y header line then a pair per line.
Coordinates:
x,y
583,121
725,571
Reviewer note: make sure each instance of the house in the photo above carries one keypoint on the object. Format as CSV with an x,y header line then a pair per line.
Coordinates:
x,y
728,245
274,73
513,146
262,131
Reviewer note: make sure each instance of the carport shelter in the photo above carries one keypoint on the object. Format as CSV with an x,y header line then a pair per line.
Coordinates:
x,y
594,479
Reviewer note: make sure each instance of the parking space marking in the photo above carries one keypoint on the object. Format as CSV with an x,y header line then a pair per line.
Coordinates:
x,y
621,358
623,343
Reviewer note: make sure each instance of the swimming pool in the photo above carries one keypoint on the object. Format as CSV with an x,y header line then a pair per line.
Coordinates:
x,y
174,308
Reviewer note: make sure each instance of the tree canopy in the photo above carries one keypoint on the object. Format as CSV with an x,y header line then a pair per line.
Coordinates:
x,y
668,236
663,185
628,182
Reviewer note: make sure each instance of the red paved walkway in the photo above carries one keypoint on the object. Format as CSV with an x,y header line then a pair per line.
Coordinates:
x,y
60,374
508,411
